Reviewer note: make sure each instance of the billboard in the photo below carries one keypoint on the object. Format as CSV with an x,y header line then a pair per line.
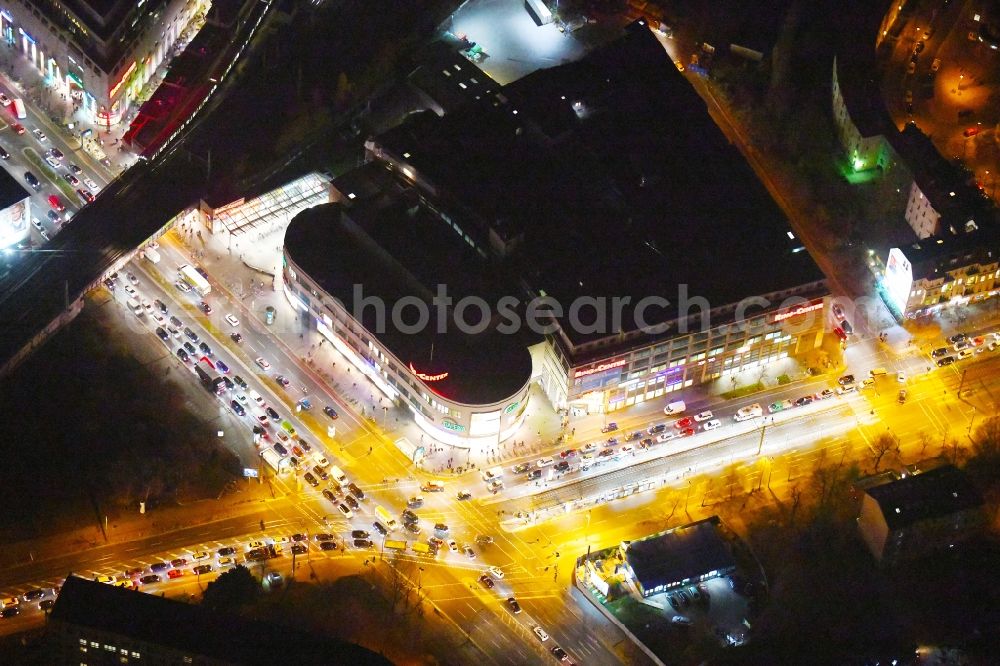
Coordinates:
x,y
898,279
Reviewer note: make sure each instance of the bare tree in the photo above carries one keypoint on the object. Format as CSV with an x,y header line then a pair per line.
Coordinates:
x,y
884,444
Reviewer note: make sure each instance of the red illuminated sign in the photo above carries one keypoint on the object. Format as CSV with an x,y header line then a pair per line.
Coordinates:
x,y
601,367
428,378
805,308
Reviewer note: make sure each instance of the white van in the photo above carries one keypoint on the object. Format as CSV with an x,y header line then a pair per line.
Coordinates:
x,y
675,407
136,307
337,474
152,255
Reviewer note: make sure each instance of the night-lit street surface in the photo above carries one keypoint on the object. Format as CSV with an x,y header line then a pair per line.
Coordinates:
x,y
516,333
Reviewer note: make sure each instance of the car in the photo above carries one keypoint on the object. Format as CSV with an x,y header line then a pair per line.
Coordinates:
x,y
18,128
409,516
4,154
496,572
355,490
957,337
149,579
236,337
463,495
471,554
222,367
939,352
183,355
282,380
174,573
320,460
331,412
962,344
609,427
328,545
5,100
311,480
37,224
75,169
359,534
487,582
687,432
845,380
542,636
299,536
521,468
901,397
205,349
52,215
176,322
40,135
56,203
34,595
680,619
452,546
346,510
317,470
71,179
712,425
634,435
262,363
568,453
825,393
274,416
239,382
964,354
838,311
189,348
162,334
562,466
685,422
545,462
901,377
559,653
415,502
868,382
191,335
363,543
130,290
228,550
803,401
412,528
612,441
46,604
99,579
657,429
665,437
683,596
588,448
323,536
94,187
205,307
515,607
232,319
703,416
846,326
156,567
606,453
380,528
299,548
254,545
85,196
644,444
11,611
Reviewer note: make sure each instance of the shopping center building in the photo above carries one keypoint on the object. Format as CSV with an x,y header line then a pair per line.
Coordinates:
x,y
648,259
104,51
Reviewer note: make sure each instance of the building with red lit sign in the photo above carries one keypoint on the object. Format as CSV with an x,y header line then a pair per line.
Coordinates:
x,y
103,52
478,200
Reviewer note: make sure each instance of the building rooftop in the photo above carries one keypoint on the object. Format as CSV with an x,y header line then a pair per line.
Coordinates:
x,y
191,628
619,180
395,249
933,494
931,258
447,80
12,190
683,553
950,189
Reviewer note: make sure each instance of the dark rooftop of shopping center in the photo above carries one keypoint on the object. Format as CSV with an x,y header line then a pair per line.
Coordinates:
x,y
685,553
610,178
395,249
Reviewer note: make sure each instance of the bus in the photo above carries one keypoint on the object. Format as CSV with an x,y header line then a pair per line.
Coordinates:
x,y
383,515
423,549
19,110
195,279
395,545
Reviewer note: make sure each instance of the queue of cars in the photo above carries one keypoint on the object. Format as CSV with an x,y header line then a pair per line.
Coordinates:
x,y
961,346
